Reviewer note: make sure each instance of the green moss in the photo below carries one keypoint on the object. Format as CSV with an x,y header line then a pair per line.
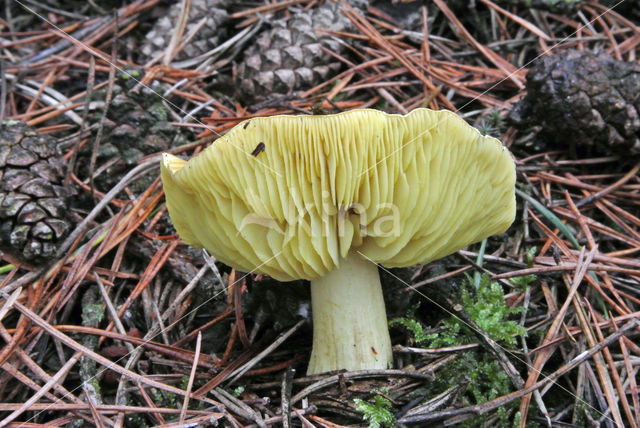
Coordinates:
x,y
523,281
484,381
93,387
92,313
489,310
237,392
159,112
493,124
478,370
412,325
184,382
377,411
486,306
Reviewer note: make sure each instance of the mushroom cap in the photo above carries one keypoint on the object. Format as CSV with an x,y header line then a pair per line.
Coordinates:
x,y
290,196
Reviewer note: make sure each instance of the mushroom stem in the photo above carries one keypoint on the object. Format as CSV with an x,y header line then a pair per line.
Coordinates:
x,y
349,319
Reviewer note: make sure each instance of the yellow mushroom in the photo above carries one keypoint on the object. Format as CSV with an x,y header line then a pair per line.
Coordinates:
x,y
325,198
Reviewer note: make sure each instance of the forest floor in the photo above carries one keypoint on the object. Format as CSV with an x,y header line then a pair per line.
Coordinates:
x,y
535,327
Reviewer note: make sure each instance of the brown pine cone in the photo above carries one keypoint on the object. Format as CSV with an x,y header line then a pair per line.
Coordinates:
x,y
207,37
584,99
289,55
33,203
137,125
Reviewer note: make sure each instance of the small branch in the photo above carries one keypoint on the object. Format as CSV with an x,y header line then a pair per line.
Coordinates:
x,y
238,406
285,396
358,374
255,360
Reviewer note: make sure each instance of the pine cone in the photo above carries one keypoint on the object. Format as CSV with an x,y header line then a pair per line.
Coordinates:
x,y
33,203
208,36
289,56
137,125
583,98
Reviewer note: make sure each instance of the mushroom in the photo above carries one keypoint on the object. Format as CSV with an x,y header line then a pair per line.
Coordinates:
x,y
325,198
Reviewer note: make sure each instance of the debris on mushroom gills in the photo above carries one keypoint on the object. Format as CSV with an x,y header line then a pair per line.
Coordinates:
x,y
259,149
338,195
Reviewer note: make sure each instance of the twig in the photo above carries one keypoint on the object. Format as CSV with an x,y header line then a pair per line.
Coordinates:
x,y
238,406
106,408
552,331
112,310
89,395
63,44
285,396
255,360
509,70
82,227
633,386
523,22
96,142
617,383
436,402
196,356
171,51
267,8
298,412
459,312
358,374
3,88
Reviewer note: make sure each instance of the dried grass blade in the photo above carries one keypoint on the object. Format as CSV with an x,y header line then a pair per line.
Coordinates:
x,y
550,216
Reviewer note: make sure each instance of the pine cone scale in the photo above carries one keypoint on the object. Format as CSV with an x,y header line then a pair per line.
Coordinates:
x,y
37,187
31,213
42,231
11,204
60,228
21,157
14,178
